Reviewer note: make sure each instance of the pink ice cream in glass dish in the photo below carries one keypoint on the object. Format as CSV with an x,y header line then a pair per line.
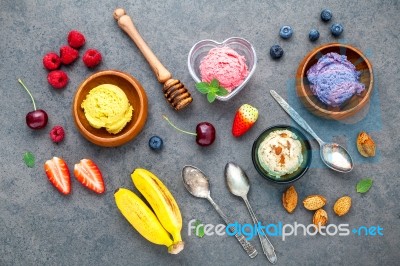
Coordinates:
x,y
231,62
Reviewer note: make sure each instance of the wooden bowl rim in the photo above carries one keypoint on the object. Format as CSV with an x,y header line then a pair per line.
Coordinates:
x,y
118,139
301,74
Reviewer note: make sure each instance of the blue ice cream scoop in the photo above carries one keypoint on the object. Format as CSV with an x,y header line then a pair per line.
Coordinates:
x,y
334,79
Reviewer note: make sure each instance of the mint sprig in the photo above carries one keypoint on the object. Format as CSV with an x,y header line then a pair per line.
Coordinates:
x,y
29,159
364,185
212,89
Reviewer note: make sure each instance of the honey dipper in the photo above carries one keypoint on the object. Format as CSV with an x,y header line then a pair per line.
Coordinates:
x,y
174,91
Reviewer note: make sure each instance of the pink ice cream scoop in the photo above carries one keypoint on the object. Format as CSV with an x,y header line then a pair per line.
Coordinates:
x,y
225,65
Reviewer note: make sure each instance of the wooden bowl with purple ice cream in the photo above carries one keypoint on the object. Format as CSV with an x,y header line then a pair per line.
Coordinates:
x,y
334,81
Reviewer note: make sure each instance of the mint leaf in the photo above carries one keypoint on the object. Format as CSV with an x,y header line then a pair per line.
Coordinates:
x,y
214,83
29,159
222,91
364,185
202,87
199,229
211,96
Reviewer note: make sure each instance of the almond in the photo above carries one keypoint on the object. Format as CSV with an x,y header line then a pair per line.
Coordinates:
x,y
289,199
365,145
320,218
342,205
314,202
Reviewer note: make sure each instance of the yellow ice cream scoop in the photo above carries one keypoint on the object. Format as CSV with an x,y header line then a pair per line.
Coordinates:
x,y
107,106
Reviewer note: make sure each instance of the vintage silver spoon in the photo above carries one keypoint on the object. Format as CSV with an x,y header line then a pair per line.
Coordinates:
x,y
332,154
197,184
239,185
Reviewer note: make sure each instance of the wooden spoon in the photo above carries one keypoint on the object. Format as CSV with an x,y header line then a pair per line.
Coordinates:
x,y
174,91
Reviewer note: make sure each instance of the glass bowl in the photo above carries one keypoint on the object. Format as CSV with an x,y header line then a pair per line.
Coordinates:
x,y
305,149
240,45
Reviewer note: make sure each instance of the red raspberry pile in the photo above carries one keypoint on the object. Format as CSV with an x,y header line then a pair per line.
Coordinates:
x,y
58,79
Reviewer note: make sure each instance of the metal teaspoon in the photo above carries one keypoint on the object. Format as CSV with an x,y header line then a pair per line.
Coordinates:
x,y
332,154
197,184
239,185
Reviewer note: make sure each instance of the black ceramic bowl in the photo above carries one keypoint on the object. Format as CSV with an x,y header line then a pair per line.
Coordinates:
x,y
305,149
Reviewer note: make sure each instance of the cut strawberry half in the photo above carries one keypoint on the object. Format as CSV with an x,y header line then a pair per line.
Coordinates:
x,y
87,172
58,174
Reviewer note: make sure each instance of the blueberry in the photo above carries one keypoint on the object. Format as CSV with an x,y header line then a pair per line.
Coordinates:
x,y
336,29
313,35
326,15
155,143
276,51
286,32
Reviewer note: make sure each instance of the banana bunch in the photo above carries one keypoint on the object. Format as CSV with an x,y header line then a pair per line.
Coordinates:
x,y
161,227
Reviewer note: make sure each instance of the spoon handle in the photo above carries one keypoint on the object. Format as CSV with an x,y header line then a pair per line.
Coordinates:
x,y
296,117
247,246
266,245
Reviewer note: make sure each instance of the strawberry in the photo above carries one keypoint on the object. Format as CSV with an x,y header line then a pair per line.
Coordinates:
x,y
58,174
244,119
87,172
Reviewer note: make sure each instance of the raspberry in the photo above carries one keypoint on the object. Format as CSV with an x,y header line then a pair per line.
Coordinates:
x,y
51,61
57,134
58,79
92,58
76,39
68,54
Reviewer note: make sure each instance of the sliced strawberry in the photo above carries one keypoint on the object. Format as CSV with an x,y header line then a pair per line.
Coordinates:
x,y
87,172
244,119
58,174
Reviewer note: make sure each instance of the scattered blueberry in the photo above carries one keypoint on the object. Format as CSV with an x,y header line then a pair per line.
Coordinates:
x,y
155,143
326,15
313,35
276,51
336,29
286,32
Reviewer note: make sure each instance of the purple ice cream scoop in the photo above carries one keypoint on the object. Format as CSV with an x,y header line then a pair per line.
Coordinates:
x,y
334,79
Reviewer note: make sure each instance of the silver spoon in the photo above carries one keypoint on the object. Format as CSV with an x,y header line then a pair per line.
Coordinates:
x,y
197,184
239,185
332,154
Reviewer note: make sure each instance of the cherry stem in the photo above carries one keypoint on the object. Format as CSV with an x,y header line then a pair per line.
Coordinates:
x,y
183,131
33,100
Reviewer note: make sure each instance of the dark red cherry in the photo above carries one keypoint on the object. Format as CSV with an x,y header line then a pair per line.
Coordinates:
x,y
205,134
36,119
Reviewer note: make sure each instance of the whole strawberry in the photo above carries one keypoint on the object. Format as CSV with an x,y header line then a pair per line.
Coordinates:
x,y
68,54
244,119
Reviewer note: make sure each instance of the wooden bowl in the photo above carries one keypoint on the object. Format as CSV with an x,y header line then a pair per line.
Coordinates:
x,y
137,98
354,104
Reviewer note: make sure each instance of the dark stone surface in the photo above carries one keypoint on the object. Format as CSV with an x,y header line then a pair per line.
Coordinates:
x,y
39,226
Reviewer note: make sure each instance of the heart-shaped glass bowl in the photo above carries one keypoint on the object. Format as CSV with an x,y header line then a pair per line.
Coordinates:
x,y
240,45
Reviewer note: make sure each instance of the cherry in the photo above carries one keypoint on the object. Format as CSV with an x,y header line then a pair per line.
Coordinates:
x,y
38,118
205,132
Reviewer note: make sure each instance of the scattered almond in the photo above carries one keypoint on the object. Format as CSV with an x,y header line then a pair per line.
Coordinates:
x,y
314,202
365,145
320,218
289,199
342,205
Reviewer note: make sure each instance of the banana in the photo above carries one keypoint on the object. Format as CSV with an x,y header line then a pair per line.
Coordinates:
x,y
143,219
161,201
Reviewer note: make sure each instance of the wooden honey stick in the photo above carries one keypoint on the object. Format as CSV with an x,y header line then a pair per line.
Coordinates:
x,y
174,91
